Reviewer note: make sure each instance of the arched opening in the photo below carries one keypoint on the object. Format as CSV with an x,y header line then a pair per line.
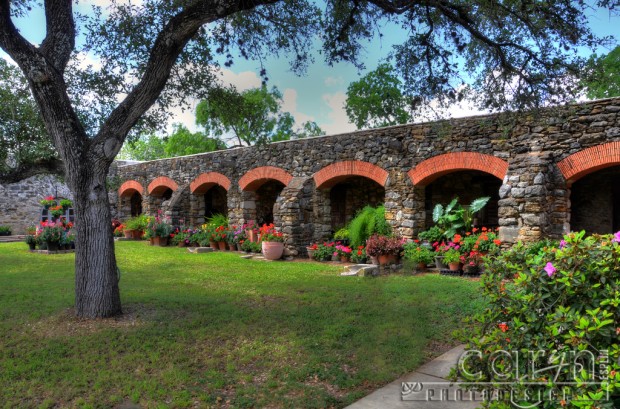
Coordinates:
x,y
351,195
467,186
215,201
135,204
266,196
595,202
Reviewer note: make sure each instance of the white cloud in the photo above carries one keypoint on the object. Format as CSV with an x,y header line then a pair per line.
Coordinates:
x,y
339,122
242,81
289,104
333,81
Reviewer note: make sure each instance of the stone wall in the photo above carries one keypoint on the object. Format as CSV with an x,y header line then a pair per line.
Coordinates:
x,y
535,157
19,202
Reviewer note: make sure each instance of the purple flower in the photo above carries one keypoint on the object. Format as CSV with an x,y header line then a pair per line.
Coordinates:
x,y
550,269
616,238
562,244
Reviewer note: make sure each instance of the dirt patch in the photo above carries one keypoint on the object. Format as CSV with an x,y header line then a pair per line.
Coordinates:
x,y
66,323
436,348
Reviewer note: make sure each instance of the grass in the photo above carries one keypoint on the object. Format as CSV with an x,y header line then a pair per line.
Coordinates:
x,y
215,330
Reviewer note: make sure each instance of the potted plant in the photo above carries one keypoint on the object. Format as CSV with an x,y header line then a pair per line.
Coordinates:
x,y
219,237
311,249
52,234
386,249
56,211
343,252
135,227
31,241
272,242
48,201
251,231
324,252
65,204
419,255
5,231
452,257
359,256
471,262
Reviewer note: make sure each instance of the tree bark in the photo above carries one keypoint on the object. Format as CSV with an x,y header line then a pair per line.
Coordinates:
x,y
97,293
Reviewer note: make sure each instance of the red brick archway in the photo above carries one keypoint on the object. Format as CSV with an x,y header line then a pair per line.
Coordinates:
x,y
257,177
129,188
333,174
160,184
429,170
206,181
589,160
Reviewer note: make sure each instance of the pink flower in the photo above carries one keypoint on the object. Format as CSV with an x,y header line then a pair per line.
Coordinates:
x,y
616,238
550,269
563,243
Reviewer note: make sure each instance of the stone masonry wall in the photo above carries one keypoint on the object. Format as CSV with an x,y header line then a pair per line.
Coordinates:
x,y
534,156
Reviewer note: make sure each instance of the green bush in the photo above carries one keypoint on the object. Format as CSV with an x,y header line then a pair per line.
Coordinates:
x,y
342,234
140,222
5,231
418,254
368,221
432,235
562,299
218,219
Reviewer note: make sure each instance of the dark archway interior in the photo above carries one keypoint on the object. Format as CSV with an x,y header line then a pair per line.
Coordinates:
x,y
347,197
266,197
467,186
216,201
595,202
136,204
166,195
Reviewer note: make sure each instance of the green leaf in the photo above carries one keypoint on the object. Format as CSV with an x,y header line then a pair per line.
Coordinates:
x,y
478,204
437,212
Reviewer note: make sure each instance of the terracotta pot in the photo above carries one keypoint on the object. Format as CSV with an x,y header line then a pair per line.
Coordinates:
x,y
213,245
222,245
181,244
374,260
344,259
160,241
151,241
232,246
272,250
421,266
136,234
310,253
387,259
454,266
252,235
128,234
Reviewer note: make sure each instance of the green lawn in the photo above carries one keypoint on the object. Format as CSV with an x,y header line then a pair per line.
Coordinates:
x,y
215,330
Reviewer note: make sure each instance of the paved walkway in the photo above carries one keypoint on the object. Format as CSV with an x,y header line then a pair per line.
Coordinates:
x,y
391,395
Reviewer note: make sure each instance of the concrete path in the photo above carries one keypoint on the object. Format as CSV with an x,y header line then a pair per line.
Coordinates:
x,y
431,378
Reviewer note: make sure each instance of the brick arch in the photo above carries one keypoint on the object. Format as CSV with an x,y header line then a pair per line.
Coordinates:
x,y
257,177
206,181
129,187
339,171
430,169
159,185
589,160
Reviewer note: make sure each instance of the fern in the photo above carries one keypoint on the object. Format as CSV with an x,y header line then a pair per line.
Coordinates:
x,y
218,219
367,222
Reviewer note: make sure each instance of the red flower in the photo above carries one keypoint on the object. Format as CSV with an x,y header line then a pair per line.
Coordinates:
x,y
497,242
503,327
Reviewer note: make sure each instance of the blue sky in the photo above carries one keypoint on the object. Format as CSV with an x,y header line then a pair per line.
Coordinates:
x,y
320,94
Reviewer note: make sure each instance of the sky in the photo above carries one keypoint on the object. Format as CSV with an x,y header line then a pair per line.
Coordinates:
x,y
320,94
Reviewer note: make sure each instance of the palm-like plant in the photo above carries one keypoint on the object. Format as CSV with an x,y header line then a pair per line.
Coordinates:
x,y
454,217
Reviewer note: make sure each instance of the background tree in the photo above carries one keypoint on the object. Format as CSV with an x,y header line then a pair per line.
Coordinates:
x,y
25,148
247,118
603,75
376,100
146,147
157,53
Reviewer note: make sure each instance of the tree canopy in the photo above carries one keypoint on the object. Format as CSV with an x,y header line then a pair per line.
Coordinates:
x,y
376,100
99,77
250,117
603,79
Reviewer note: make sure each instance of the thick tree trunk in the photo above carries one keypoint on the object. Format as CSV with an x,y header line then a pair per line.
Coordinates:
x,y
97,292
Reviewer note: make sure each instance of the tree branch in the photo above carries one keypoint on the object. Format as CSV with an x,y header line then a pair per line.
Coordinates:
x,y
42,167
166,49
59,41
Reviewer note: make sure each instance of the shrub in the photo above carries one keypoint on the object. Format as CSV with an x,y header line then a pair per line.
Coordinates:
x,y
418,254
367,222
378,245
432,235
452,255
342,235
5,231
562,299
218,219
140,222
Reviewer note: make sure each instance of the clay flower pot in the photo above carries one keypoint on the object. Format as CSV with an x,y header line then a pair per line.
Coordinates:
x,y
136,234
232,247
454,266
387,259
222,245
128,234
310,253
273,250
213,245
160,241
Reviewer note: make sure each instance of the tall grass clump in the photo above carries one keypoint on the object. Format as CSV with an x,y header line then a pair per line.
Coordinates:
x,y
368,221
